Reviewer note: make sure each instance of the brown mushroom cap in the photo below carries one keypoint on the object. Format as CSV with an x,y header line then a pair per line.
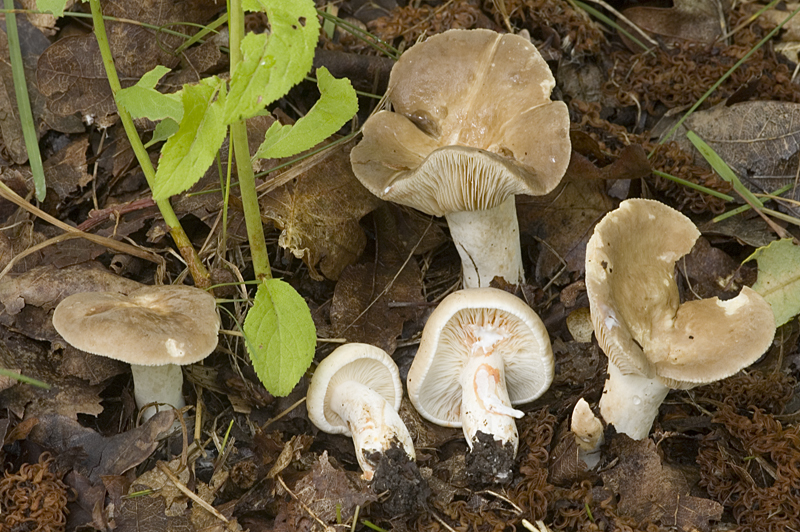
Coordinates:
x,y
152,326
434,380
472,124
638,318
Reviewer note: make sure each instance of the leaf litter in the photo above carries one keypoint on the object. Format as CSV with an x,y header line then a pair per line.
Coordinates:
x,y
725,452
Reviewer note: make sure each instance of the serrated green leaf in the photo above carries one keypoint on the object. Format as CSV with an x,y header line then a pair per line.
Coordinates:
x,y
280,336
56,7
337,104
189,152
779,278
164,130
144,101
273,65
252,5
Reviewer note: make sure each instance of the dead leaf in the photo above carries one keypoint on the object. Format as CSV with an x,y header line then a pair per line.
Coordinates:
x,y
319,215
758,140
564,220
71,72
328,491
67,170
146,514
688,20
44,22
361,310
175,501
652,491
94,455
711,272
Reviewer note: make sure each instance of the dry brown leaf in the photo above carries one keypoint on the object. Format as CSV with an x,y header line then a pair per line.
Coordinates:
x,y
564,220
711,272
652,491
319,215
361,310
146,514
71,72
326,488
758,140
66,171
688,20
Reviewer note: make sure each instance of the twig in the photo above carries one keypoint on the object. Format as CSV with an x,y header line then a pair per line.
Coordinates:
x,y
178,484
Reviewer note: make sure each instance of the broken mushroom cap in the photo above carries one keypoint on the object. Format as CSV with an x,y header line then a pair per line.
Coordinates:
x,y
356,391
473,125
482,350
653,342
156,329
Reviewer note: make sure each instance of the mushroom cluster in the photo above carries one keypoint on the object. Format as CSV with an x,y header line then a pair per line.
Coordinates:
x,y
472,126
654,342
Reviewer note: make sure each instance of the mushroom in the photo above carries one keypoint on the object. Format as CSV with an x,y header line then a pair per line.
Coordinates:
x,y
654,342
473,125
155,329
588,432
482,351
356,391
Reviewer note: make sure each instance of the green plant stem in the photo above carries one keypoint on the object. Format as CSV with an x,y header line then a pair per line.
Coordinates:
x,y
24,104
241,150
187,251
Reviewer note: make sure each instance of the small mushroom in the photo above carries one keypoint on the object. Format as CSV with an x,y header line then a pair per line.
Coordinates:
x,y
155,329
356,391
654,342
588,431
482,351
473,125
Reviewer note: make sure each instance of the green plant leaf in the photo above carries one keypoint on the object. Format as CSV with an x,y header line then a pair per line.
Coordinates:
x,y
272,65
280,336
164,130
189,152
337,104
779,278
144,101
56,7
722,168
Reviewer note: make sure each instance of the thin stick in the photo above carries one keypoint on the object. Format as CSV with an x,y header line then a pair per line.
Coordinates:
x,y
178,484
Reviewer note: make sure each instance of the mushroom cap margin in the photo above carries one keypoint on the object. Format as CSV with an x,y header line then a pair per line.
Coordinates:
x,y
151,326
437,89
434,380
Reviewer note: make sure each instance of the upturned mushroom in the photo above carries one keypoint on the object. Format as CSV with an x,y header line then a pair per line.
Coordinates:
x,y
356,391
482,351
155,329
654,342
473,125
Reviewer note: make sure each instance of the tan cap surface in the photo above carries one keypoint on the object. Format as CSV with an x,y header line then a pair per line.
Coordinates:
x,y
472,124
152,326
434,380
638,319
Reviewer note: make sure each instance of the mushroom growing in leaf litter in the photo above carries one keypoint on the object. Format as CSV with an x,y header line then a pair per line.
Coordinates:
x,y
356,391
473,125
482,351
654,342
155,329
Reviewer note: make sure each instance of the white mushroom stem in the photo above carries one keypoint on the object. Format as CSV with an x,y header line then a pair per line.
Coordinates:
x,y
631,402
372,421
485,405
157,384
488,243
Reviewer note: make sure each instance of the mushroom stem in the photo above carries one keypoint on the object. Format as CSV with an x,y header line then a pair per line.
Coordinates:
x,y
631,402
588,432
372,421
485,405
488,243
157,384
